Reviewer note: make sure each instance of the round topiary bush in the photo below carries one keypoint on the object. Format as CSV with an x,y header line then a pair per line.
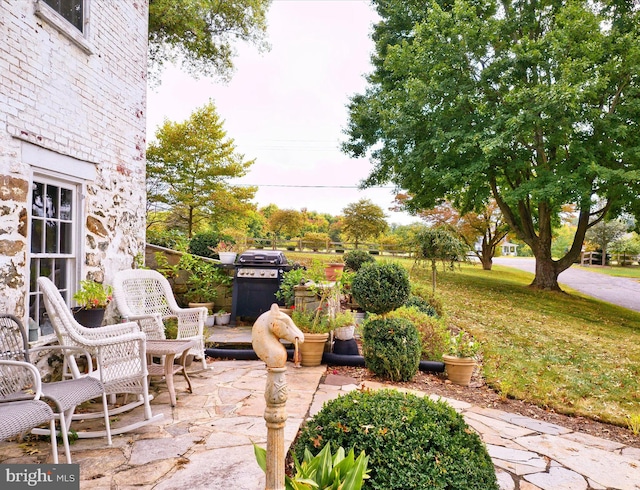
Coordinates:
x,y
380,287
202,243
391,348
412,442
434,334
421,304
354,259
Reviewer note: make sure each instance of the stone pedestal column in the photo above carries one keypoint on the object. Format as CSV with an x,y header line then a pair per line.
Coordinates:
x,y
275,415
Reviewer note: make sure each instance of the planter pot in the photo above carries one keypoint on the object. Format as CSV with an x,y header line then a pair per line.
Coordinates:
x,y
344,333
459,369
210,321
312,348
222,319
227,257
91,318
333,271
208,306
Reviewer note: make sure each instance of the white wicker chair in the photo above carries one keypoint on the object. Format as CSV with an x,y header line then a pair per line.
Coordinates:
x,y
20,412
65,395
119,352
145,296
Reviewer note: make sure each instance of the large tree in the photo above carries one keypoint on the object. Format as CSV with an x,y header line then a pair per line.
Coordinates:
x,y
535,103
200,33
363,220
188,169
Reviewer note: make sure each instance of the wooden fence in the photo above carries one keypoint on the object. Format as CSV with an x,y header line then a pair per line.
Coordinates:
x,y
595,258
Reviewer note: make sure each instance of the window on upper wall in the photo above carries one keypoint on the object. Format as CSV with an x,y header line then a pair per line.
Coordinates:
x,y
71,10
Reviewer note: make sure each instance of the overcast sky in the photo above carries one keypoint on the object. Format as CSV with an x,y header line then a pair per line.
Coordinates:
x,y
286,108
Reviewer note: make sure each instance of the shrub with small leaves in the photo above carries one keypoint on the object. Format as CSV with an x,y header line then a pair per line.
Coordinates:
x,y
353,259
391,348
421,304
380,287
411,442
434,335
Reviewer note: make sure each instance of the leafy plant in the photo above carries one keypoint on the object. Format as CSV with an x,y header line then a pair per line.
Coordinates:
x,y
391,348
412,442
381,287
93,295
634,424
434,335
342,318
324,471
462,345
290,279
202,243
354,259
311,321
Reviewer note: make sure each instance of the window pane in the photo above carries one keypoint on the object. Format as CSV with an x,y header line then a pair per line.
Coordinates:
x,y
71,10
52,201
66,246
60,277
36,236
46,268
33,285
51,239
37,199
66,203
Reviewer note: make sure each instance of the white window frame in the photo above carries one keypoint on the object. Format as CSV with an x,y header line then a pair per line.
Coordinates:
x,y
62,25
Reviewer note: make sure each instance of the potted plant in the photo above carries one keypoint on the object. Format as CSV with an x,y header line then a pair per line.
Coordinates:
x,y
460,359
316,328
333,270
227,252
343,325
285,293
222,317
92,299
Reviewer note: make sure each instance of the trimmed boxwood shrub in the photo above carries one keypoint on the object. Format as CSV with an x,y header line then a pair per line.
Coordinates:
x,y
354,259
381,287
201,242
391,348
421,304
434,334
412,442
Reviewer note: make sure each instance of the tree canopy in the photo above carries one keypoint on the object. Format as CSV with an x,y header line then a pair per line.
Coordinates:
x,y
187,172
536,104
362,220
200,33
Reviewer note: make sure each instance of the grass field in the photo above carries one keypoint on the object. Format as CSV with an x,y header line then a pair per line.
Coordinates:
x,y
564,351
632,272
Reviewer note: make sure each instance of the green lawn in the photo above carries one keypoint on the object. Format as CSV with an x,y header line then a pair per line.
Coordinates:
x,y
632,272
567,352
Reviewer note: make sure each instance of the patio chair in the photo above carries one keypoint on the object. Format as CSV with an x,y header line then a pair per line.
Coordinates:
x,y
65,395
119,353
145,296
19,411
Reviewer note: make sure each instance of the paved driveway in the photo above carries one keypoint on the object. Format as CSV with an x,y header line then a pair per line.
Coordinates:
x,y
617,290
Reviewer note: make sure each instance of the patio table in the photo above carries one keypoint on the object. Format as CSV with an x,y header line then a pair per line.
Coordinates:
x,y
168,350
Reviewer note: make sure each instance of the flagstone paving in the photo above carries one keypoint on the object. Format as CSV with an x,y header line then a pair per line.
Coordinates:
x,y
206,440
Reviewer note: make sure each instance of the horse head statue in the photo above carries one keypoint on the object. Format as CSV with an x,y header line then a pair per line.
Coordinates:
x,y
266,333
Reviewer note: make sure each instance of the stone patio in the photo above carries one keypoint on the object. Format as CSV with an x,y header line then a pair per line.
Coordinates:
x,y
205,442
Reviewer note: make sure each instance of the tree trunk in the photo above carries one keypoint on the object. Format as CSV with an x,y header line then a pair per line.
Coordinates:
x,y
546,275
487,262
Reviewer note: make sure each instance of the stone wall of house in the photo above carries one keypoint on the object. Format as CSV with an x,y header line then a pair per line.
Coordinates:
x,y
82,103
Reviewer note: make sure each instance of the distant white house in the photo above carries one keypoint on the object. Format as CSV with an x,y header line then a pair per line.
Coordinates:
x,y
507,248
72,144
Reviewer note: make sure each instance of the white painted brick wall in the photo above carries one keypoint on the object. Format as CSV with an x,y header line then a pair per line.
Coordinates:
x,y
91,107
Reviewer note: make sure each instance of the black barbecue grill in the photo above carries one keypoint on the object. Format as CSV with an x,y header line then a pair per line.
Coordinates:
x,y
258,275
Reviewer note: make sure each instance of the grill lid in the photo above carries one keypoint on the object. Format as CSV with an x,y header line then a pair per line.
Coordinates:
x,y
262,258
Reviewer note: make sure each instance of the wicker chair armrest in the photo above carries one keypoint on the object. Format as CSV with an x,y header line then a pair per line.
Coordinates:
x,y
33,372
67,349
136,337
110,331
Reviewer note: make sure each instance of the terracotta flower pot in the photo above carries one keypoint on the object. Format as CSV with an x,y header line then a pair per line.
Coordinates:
x,y
312,348
333,271
459,369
